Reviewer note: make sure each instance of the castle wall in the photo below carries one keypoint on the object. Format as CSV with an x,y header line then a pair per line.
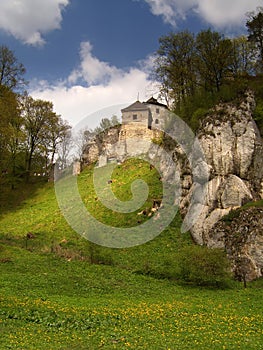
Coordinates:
x,y
136,117
158,116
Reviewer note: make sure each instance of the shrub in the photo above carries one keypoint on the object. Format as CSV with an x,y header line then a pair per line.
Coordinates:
x,y
204,267
258,116
198,115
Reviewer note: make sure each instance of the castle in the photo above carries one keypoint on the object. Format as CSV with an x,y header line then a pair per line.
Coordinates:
x,y
149,114
140,121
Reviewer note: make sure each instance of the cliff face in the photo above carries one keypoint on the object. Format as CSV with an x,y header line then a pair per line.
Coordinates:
x,y
233,149
242,233
100,143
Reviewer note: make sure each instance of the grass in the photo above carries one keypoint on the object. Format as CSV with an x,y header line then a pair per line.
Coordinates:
x,y
235,213
58,291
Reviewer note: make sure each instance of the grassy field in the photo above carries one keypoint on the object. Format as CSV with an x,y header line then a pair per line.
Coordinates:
x,y
59,291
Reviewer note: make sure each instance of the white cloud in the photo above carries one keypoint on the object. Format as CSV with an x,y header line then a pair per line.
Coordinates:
x,y
27,20
171,10
225,13
218,13
77,102
91,69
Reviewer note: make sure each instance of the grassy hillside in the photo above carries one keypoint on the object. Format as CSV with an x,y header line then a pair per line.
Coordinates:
x,y
59,291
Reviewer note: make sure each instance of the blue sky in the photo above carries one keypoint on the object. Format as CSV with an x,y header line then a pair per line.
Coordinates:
x,y
86,55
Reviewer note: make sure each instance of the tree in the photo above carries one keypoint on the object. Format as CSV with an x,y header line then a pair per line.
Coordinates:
x,y
214,59
243,57
64,149
255,33
10,123
81,139
56,130
11,71
174,64
40,123
15,144
105,124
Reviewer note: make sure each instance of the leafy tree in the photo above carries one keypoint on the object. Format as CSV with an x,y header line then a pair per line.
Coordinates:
x,y
105,124
56,132
11,71
43,129
204,266
243,57
214,58
255,32
10,123
175,64
114,120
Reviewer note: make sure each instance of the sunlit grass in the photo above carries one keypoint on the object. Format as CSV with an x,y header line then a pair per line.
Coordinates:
x,y
56,291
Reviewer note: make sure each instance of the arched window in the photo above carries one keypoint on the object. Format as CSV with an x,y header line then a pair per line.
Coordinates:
x,y
156,121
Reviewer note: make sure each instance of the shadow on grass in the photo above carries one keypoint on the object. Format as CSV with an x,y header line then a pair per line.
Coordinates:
x,y
12,199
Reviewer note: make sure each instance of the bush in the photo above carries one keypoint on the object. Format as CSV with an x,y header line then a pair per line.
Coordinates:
x,y
198,115
258,116
204,267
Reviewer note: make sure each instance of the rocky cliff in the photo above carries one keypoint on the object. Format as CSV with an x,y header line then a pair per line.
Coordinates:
x,y
233,150
99,144
242,236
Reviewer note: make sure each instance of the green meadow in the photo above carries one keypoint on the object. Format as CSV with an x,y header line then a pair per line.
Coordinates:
x,y
60,291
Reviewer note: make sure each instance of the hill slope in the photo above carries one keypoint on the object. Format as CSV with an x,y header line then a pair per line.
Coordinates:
x,y
58,291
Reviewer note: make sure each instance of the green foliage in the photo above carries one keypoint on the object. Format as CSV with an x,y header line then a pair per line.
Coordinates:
x,y
258,115
255,34
11,71
236,212
213,59
198,72
99,254
204,267
197,116
105,124
174,64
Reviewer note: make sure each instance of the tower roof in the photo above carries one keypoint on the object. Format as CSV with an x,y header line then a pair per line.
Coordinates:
x,y
153,101
136,106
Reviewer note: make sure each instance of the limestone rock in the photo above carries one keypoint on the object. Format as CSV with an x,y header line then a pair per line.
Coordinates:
x,y
233,150
235,192
242,237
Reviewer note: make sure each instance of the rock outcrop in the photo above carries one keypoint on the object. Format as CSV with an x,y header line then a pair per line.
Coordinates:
x,y
242,235
99,144
233,150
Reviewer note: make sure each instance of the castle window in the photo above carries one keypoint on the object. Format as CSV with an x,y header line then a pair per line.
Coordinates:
x,y
157,110
156,121
134,117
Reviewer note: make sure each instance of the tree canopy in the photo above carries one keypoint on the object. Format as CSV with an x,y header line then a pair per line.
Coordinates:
x,y
255,33
30,131
11,71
